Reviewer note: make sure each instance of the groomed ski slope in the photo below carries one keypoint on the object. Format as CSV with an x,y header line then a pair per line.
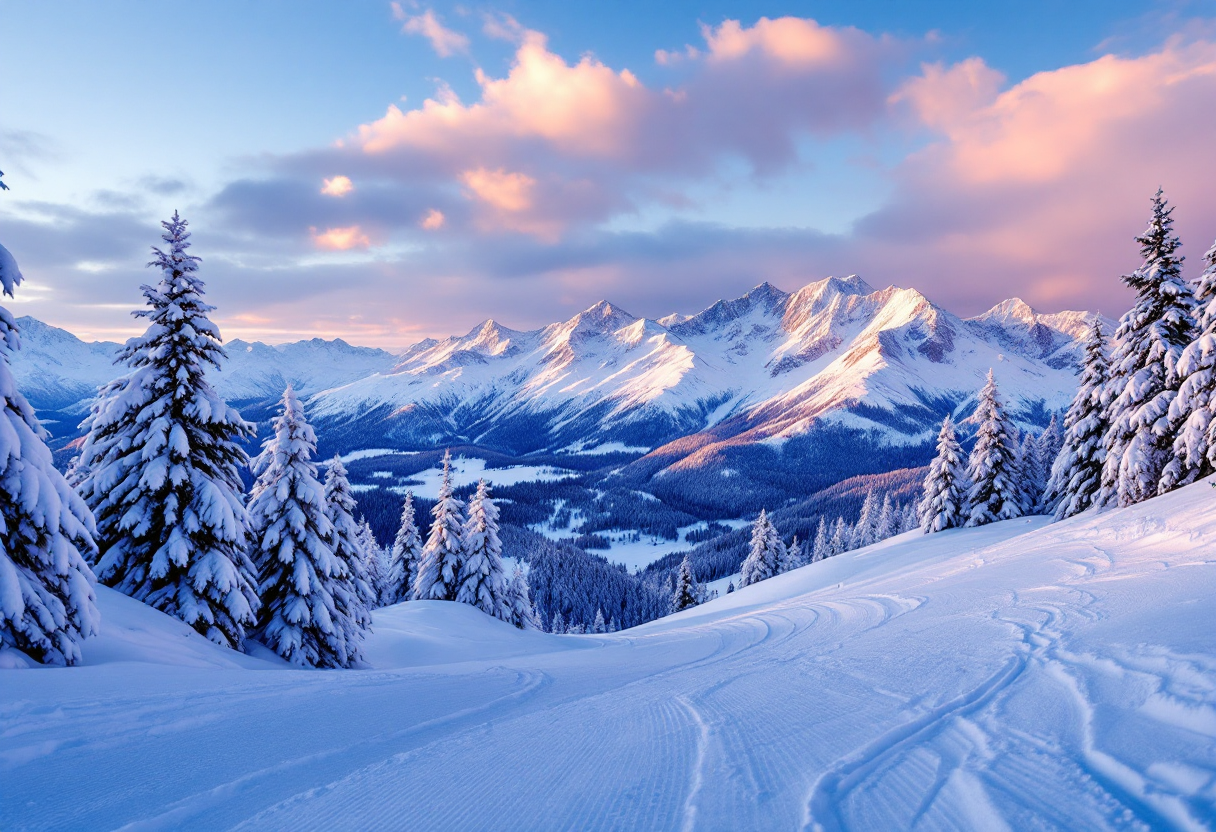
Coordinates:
x,y
1020,676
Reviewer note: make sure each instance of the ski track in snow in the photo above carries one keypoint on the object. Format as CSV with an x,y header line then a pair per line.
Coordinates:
x,y
1020,676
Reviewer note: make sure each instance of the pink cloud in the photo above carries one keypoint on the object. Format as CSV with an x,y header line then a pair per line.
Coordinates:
x,y
582,109
337,186
510,192
590,135
1040,187
433,221
444,41
340,239
502,26
789,40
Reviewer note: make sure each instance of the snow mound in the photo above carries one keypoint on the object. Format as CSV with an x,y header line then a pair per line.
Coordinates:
x,y
1022,675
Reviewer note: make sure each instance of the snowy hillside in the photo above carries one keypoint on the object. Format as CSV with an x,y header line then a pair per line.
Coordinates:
x,y
1018,676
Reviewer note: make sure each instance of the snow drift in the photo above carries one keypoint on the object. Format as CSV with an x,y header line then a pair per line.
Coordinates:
x,y
1020,675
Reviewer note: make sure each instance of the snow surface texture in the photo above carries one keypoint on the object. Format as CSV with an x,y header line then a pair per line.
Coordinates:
x,y
1016,676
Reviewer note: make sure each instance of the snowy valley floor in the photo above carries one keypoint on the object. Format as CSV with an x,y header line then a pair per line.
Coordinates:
x,y
1020,676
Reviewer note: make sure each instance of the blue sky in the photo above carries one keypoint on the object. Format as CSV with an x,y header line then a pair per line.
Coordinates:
x,y
113,115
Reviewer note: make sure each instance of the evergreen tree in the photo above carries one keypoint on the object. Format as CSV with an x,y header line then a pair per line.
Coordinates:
x,y
1144,367
354,594
730,587
685,594
163,457
521,611
944,505
793,556
1051,441
406,557
765,555
482,578
301,619
911,520
1076,472
76,473
559,624
1030,470
888,520
47,603
819,549
373,556
994,493
443,556
1191,411
838,543
599,626
867,522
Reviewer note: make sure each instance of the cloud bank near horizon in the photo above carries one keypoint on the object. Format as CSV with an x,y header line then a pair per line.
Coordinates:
x,y
567,181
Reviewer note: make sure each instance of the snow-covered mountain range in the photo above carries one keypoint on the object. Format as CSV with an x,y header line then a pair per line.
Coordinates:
x,y
761,380
768,365
57,371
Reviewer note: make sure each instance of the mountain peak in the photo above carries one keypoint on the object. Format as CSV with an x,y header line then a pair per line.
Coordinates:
x,y
1008,311
765,292
601,317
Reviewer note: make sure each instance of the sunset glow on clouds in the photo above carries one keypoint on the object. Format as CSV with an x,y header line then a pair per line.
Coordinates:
x,y
340,239
337,186
444,41
559,177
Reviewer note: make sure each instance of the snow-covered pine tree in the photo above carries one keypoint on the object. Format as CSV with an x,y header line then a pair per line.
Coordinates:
x,y
1076,472
765,555
991,469
1051,440
354,594
47,604
794,556
77,472
373,556
1144,367
163,455
685,594
599,626
443,556
730,587
558,626
290,535
1191,411
838,543
888,519
865,529
944,505
1030,470
819,549
521,611
406,557
911,520
482,577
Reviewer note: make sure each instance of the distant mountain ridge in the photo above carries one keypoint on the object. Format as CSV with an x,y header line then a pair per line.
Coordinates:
x,y
767,381
57,371
768,364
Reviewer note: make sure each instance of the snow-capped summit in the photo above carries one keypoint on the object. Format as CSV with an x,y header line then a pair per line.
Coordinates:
x,y
1054,338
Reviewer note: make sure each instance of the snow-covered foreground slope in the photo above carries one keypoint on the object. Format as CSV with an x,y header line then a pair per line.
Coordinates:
x,y
1019,676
